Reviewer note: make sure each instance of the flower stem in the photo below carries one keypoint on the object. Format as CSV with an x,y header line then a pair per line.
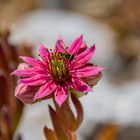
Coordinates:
x,y
64,121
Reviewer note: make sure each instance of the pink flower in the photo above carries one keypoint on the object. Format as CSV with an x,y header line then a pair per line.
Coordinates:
x,y
57,72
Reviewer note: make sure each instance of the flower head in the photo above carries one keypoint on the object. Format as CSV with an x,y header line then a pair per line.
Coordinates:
x,y
57,72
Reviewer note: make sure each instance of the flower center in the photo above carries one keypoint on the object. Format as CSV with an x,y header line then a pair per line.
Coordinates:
x,y
58,69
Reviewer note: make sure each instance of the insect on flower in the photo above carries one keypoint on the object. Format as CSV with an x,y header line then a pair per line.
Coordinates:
x,y
57,73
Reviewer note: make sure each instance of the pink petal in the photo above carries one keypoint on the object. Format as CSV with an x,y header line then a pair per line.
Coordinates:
x,y
35,62
87,71
83,57
31,61
75,46
59,47
25,93
29,72
92,80
61,95
45,90
43,51
82,48
35,80
79,85
22,66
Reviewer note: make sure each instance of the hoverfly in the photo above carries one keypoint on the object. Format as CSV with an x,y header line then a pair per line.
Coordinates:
x,y
67,56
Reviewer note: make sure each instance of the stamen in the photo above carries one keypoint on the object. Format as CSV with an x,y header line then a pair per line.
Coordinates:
x,y
58,69
54,71
64,70
59,72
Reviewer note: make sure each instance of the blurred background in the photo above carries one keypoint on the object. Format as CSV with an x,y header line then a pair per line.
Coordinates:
x,y
112,112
